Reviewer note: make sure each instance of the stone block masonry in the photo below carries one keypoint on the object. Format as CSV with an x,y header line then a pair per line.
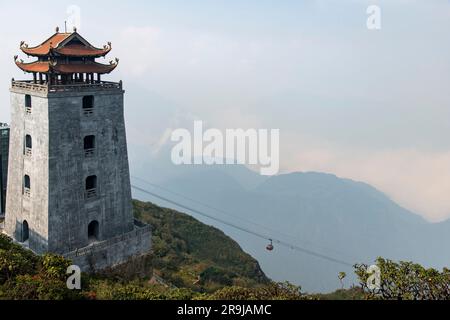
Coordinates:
x,y
68,180
114,251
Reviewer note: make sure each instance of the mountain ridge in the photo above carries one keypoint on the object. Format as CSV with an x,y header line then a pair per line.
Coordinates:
x,y
313,210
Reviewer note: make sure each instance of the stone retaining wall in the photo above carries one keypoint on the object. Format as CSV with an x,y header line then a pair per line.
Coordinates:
x,y
114,251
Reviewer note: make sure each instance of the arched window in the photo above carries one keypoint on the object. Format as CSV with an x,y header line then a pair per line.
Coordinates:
x,y
93,231
28,103
89,146
28,145
27,185
91,187
25,231
28,141
88,105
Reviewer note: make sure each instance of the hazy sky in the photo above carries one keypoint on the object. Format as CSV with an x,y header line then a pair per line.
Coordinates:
x,y
367,105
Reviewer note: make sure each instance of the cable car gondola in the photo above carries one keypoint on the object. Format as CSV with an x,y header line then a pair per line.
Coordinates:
x,y
270,246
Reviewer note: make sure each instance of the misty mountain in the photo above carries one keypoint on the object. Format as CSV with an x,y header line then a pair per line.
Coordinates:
x,y
339,218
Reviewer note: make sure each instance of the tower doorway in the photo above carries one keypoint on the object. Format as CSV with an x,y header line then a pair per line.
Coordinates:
x,y
93,231
25,231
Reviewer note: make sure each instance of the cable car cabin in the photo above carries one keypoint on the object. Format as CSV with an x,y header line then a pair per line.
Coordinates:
x,y
270,246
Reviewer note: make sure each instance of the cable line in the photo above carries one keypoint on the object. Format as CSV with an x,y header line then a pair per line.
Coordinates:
x,y
245,230
211,207
306,242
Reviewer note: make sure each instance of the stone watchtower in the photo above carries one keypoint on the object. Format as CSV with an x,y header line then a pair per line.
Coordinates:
x,y
68,178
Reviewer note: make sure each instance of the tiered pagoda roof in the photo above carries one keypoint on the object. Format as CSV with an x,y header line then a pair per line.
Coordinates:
x,y
49,67
66,44
67,55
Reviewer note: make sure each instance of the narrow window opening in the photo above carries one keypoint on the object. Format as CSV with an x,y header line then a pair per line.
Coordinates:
x,y
28,103
91,187
28,145
89,146
88,105
27,186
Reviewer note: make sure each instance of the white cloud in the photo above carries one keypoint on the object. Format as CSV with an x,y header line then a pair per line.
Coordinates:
x,y
139,49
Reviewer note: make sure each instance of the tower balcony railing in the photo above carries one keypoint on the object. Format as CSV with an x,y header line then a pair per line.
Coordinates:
x,y
92,193
28,110
60,87
88,111
27,192
28,152
89,153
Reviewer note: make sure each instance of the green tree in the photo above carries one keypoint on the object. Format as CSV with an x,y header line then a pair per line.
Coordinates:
x,y
55,266
341,277
14,260
405,281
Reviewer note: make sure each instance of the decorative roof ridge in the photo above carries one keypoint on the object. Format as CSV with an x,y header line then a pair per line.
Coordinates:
x,y
56,43
24,45
54,67
87,43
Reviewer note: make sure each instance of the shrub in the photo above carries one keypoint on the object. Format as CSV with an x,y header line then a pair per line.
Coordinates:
x,y
55,266
274,291
405,281
139,292
15,260
28,287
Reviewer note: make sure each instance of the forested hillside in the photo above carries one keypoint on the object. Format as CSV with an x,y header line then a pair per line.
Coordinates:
x,y
188,253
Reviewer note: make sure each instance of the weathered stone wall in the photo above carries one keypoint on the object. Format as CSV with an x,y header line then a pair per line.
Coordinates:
x,y
58,212
19,207
114,251
69,168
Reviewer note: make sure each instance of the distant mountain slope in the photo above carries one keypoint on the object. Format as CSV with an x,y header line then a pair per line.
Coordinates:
x,y
341,218
190,254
